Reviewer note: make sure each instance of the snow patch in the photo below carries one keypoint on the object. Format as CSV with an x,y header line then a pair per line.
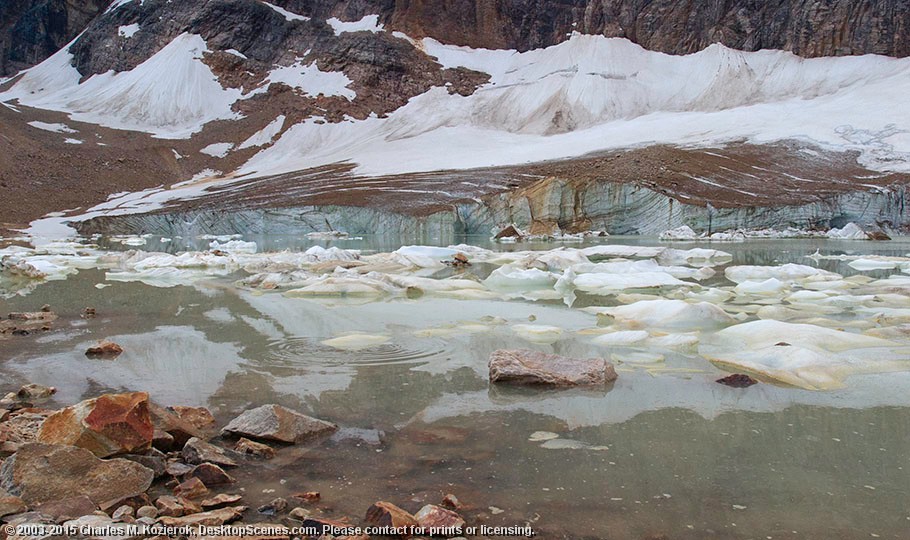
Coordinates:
x,y
128,30
54,128
287,14
369,23
72,141
265,135
312,81
218,150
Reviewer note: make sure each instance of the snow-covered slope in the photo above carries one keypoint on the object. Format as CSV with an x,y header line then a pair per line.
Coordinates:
x,y
592,93
172,94
586,94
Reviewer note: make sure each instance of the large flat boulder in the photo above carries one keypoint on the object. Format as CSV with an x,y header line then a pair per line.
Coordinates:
x,y
277,423
107,425
41,473
527,367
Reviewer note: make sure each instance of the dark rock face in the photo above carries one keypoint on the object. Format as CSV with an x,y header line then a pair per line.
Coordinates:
x,y
31,31
805,27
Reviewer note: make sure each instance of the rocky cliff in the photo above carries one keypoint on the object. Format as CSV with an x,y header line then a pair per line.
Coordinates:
x,y
32,31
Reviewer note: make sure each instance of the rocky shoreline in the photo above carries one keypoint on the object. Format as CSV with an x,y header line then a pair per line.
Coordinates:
x,y
120,463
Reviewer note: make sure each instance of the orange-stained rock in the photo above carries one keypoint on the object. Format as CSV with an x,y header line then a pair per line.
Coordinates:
x,y
386,514
104,349
108,425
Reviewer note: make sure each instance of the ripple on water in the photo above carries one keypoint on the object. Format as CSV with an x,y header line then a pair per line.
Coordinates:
x,y
309,352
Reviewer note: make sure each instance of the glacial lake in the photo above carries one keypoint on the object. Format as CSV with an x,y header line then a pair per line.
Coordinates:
x,y
664,452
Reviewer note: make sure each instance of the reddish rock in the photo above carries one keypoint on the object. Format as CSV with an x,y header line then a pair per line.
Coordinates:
x,y
277,423
198,417
168,422
169,506
436,517
136,502
211,475
197,451
192,488
11,505
40,473
308,496
108,425
67,509
251,448
738,380
385,514
212,518
104,349
221,499
526,367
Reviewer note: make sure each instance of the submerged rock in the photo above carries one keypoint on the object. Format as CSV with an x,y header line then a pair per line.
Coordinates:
x,y
277,423
252,448
522,366
107,425
737,380
40,473
104,349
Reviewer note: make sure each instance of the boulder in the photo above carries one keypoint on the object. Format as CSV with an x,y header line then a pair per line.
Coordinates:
x,y
211,475
529,367
276,423
40,473
197,451
436,517
385,514
108,425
